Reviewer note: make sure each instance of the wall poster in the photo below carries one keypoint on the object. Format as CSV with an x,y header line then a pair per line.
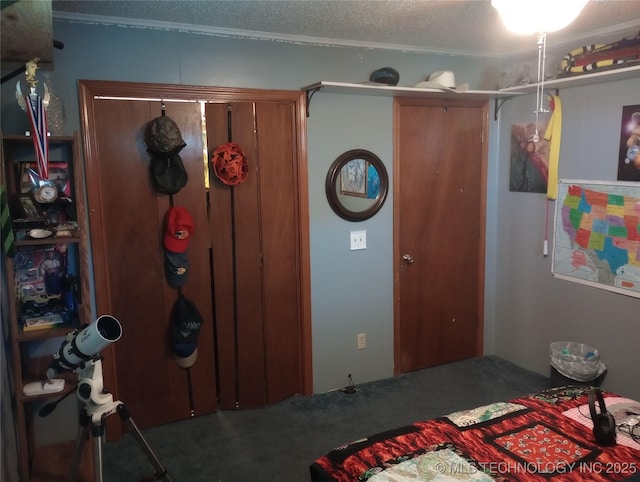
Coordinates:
x,y
529,160
597,235
629,154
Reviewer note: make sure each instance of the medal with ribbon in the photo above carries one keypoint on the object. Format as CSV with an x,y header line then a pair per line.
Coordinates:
x,y
35,108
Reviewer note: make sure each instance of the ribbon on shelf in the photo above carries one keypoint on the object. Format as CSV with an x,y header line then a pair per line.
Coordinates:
x,y
36,111
38,120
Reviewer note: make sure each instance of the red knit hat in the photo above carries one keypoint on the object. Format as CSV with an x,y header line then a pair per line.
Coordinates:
x,y
178,229
230,164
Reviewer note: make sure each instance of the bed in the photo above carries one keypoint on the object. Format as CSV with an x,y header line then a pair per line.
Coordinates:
x,y
545,436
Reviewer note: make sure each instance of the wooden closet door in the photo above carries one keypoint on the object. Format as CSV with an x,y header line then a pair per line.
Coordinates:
x,y
439,217
256,259
281,255
264,357
127,225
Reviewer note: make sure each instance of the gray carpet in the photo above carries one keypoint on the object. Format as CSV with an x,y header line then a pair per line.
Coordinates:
x,y
278,443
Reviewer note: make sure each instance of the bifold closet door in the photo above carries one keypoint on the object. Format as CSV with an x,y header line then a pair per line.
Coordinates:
x,y
256,261
127,226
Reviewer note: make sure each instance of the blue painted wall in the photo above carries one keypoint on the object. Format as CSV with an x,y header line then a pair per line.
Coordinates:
x,y
533,308
352,292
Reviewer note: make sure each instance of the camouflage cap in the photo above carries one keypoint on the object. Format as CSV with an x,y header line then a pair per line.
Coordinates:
x,y
163,136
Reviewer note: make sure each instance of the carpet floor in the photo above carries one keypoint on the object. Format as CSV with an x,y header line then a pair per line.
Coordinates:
x,y
278,443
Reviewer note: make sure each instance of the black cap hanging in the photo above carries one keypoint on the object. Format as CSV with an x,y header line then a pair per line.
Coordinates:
x,y
164,142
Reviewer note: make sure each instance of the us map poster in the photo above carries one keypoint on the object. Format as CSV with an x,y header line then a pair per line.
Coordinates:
x,y
597,235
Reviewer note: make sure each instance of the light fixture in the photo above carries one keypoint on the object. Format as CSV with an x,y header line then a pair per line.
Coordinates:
x,y
526,17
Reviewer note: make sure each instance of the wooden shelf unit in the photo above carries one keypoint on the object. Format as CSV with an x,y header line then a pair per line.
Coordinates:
x,y
51,462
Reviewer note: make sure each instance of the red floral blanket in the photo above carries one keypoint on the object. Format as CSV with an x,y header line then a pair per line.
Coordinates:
x,y
545,436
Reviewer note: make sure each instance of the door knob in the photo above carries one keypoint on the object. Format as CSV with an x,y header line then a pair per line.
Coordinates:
x,y
408,259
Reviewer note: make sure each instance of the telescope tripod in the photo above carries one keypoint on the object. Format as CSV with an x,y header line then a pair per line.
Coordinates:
x,y
98,405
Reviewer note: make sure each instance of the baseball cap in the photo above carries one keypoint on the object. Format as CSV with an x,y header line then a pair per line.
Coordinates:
x,y
185,329
176,267
164,136
179,228
385,75
168,173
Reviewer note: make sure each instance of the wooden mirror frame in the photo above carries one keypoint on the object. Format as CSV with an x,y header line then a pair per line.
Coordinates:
x,y
333,177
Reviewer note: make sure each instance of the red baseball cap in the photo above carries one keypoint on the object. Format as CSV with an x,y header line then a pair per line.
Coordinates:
x,y
178,229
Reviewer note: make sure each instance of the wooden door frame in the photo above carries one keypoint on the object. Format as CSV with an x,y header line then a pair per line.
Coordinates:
x,y
470,102
90,89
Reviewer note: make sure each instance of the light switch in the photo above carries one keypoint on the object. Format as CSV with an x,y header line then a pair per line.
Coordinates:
x,y
358,240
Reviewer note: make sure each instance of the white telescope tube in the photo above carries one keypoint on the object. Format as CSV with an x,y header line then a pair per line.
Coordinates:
x,y
86,344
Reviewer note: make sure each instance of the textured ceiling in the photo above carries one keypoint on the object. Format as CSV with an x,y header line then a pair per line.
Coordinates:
x,y
450,26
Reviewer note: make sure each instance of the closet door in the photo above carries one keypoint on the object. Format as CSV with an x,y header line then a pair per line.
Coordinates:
x,y
256,260
265,356
439,217
127,226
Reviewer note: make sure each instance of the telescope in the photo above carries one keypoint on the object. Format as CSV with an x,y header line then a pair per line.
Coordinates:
x,y
80,353
84,345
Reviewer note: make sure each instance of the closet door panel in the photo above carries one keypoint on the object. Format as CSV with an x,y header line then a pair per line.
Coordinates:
x,y
237,252
201,384
222,291
130,223
254,230
131,251
277,166
248,264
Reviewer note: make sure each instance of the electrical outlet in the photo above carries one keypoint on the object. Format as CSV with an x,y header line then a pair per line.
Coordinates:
x,y
362,341
358,240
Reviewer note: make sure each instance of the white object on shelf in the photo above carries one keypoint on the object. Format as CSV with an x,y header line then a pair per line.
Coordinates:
x,y
38,388
39,233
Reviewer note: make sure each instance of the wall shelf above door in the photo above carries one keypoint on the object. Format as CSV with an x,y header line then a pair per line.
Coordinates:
x,y
395,91
499,96
610,75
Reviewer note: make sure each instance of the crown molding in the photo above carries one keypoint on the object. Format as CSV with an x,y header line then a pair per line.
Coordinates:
x,y
256,35
628,28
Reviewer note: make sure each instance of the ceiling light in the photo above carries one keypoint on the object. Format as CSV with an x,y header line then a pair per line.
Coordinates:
x,y
526,17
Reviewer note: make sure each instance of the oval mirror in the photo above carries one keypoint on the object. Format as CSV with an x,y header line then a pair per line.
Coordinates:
x,y
357,185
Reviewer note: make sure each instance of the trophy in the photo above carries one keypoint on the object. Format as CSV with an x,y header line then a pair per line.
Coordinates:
x,y
35,107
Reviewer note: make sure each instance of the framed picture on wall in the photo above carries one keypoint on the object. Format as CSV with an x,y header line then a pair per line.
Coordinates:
x,y
529,160
353,178
629,151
